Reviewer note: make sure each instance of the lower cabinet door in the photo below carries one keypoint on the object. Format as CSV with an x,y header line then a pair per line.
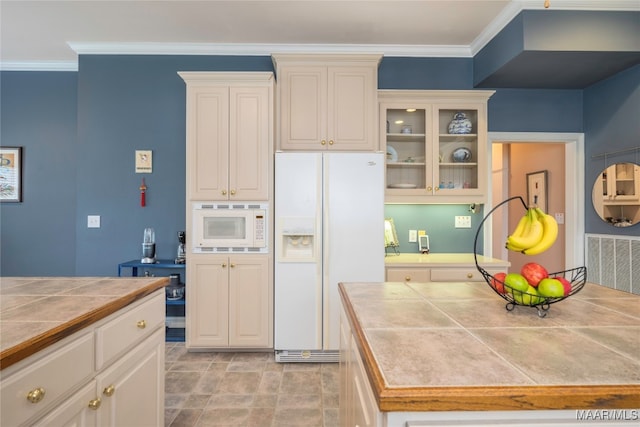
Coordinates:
x,y
132,390
249,301
80,410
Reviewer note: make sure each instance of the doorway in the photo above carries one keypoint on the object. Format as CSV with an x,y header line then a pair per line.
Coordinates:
x,y
497,229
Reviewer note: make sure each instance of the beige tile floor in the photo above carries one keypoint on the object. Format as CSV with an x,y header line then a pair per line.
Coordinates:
x,y
247,389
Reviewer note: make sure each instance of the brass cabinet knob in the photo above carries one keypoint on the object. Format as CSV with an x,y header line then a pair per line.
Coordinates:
x,y
407,279
232,265
224,265
95,403
232,192
141,324
331,142
469,275
108,391
36,395
437,188
224,192
429,188
323,142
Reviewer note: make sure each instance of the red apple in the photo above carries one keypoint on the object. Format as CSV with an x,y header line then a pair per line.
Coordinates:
x,y
534,273
497,282
566,284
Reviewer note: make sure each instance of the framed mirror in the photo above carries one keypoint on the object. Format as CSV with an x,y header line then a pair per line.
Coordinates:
x,y
616,194
390,236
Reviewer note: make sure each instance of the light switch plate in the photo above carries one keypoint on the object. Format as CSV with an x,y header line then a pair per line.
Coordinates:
x,y
463,221
413,236
93,221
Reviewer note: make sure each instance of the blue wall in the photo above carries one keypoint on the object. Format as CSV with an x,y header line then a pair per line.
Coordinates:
x,y
119,104
612,123
39,114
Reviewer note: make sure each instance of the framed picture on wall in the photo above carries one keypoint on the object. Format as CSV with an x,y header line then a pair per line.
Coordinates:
x,y
537,189
10,174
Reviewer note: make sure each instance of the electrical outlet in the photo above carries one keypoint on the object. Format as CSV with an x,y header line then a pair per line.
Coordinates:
x,y
559,217
463,221
93,221
413,236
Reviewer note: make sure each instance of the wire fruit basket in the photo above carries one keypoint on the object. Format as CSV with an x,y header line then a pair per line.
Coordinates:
x,y
577,277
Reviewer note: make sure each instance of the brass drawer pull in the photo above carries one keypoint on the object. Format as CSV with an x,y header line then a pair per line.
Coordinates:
x,y
407,279
141,324
36,395
95,403
469,275
108,391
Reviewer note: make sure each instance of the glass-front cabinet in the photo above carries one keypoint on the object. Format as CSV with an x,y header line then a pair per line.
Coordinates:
x,y
436,145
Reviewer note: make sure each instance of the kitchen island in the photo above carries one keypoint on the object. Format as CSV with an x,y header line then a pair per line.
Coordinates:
x,y
421,353
82,350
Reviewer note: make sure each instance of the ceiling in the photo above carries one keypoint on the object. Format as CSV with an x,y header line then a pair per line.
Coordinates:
x,y
49,34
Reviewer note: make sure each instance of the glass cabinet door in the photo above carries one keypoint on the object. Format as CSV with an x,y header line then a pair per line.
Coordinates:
x,y
456,142
406,143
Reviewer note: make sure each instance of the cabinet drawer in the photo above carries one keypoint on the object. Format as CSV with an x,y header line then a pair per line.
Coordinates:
x,y
456,275
56,374
129,329
408,275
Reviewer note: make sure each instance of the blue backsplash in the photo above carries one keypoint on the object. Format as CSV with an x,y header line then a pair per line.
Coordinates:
x,y
438,222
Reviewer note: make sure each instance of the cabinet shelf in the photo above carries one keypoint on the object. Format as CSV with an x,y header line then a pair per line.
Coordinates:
x,y
406,164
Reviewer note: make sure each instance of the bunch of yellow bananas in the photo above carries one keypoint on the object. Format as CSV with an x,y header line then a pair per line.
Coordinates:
x,y
535,233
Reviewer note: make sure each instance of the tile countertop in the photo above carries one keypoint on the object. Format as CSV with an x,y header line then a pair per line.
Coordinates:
x,y
36,312
441,260
454,347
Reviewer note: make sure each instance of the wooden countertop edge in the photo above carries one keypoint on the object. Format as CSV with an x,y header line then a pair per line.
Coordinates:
x,y
487,398
27,348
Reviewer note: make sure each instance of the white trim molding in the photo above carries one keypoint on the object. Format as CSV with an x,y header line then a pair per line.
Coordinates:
x,y
574,182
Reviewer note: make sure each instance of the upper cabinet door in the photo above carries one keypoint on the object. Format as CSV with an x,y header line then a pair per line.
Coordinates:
x,y
303,107
249,143
208,142
327,102
352,118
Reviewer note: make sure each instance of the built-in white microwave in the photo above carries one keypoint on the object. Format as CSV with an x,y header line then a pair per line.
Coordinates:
x,y
229,227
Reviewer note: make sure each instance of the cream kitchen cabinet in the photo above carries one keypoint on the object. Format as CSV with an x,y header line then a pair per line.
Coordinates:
x,y
327,102
358,406
426,160
230,305
229,135
66,383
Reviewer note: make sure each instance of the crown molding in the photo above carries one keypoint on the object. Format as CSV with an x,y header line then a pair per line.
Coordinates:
x,y
39,66
247,49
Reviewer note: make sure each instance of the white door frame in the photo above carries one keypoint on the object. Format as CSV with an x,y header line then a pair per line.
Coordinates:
x,y
574,187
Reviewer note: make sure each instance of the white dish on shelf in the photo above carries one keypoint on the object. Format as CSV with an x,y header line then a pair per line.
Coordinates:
x,y
402,186
393,153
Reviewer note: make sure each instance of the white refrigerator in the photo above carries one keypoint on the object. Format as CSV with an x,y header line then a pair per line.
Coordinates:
x,y
329,228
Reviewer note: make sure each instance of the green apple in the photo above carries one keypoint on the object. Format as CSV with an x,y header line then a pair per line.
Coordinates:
x,y
516,281
528,297
551,288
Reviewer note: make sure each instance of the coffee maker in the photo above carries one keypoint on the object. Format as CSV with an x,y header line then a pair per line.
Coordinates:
x,y
149,247
182,240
